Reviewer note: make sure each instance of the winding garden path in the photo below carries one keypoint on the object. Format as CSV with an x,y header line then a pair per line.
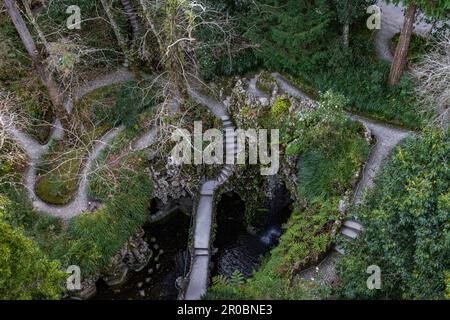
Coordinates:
x,y
35,150
387,138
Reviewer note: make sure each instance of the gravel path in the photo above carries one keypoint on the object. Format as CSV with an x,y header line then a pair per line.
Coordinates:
x,y
35,151
254,91
387,138
392,18
109,79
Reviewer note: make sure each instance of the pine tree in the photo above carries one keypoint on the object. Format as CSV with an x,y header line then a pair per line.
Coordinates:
x,y
348,11
292,34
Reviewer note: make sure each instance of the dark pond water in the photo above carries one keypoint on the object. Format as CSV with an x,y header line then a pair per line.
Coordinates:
x,y
237,248
157,280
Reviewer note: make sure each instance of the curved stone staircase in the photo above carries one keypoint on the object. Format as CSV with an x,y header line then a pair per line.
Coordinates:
x,y
201,252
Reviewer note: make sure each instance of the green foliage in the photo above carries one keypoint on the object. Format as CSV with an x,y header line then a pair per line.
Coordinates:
x,y
129,101
406,225
292,34
306,239
447,285
14,61
301,39
331,149
91,238
418,47
59,183
280,106
363,80
237,278
216,59
350,10
221,289
96,237
25,272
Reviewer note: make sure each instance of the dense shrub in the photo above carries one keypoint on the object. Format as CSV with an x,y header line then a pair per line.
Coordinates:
x,y
60,181
96,237
92,238
225,52
25,272
122,104
417,47
280,106
406,225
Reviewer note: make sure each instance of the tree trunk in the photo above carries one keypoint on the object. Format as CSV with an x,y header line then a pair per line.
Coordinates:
x,y
401,52
36,26
151,23
30,46
346,35
120,38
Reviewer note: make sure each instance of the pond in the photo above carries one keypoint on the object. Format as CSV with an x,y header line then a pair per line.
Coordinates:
x,y
157,280
237,248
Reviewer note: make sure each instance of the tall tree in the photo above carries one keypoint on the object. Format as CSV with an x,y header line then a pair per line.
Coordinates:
x,y
173,24
121,40
30,46
436,9
348,11
292,34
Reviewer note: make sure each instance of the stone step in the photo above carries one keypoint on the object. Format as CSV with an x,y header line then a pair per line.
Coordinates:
x,y
353,225
225,175
220,180
202,254
350,233
224,118
227,170
339,249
